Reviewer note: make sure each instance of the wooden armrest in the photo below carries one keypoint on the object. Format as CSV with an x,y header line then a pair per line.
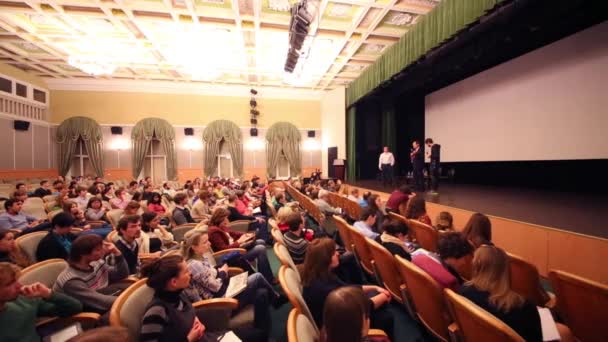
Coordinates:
x,y
88,320
376,332
454,332
194,224
229,250
215,303
96,223
149,256
232,271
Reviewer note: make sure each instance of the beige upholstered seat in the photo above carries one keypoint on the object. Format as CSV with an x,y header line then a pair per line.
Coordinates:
x,y
34,206
292,287
114,216
277,236
476,324
239,226
28,243
45,272
344,233
52,214
300,328
180,231
49,198
284,257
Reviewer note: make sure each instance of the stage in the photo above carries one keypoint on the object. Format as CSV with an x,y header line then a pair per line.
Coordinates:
x,y
577,213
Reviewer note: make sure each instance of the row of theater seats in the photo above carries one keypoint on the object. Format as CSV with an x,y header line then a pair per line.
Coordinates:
x,y
581,303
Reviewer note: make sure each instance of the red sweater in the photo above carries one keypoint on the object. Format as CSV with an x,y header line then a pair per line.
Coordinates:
x,y
436,271
220,238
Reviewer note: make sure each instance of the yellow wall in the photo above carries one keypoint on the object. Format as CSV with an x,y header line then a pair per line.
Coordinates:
x,y
180,109
19,74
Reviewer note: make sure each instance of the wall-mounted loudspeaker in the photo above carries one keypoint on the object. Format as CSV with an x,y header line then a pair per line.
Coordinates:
x,y
21,125
253,132
311,134
116,130
189,131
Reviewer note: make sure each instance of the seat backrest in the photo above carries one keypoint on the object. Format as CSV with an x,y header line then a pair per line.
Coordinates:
x,y
239,226
129,308
426,235
385,265
114,216
344,233
476,324
45,272
49,198
277,236
525,280
35,207
300,328
28,244
583,305
291,285
52,214
180,231
284,257
361,249
33,201
112,236
427,297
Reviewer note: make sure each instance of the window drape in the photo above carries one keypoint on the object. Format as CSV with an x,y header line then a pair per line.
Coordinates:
x,y
141,136
230,133
283,137
68,133
351,144
444,21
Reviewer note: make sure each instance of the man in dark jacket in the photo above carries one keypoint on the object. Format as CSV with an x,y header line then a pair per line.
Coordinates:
x,y
43,190
58,242
434,155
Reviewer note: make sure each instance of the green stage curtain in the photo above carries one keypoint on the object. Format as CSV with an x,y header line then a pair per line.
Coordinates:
x,y
283,137
68,133
230,133
351,144
143,133
444,21
388,126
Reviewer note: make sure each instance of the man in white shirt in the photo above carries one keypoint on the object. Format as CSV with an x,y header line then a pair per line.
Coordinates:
x,y
385,164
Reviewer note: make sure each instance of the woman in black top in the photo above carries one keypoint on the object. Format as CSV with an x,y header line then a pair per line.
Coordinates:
x,y
394,238
318,281
490,288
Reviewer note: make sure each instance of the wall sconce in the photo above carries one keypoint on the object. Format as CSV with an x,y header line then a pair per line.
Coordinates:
x,y
119,144
311,145
192,144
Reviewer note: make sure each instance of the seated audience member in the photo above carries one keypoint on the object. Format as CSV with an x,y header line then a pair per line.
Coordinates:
x,y
281,218
129,230
490,288
239,203
13,218
100,229
222,237
21,187
364,198
168,190
104,334
394,238
294,238
416,210
154,204
181,213
200,209
132,208
398,199
19,196
21,305
43,190
136,196
57,186
133,187
120,199
148,192
170,315
58,242
443,222
454,254
9,252
354,195
281,201
346,316
374,203
478,230
209,282
82,200
95,210
154,237
319,281
365,225
91,279
322,203
258,224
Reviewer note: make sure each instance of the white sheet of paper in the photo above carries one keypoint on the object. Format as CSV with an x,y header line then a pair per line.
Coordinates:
x,y
65,334
237,284
230,337
548,325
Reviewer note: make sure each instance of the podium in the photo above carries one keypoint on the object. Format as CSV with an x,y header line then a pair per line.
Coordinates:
x,y
339,168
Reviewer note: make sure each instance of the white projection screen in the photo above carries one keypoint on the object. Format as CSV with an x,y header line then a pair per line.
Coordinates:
x,y
550,104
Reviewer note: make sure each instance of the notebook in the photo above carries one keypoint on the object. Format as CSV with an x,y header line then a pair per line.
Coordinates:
x,y
548,325
237,284
64,334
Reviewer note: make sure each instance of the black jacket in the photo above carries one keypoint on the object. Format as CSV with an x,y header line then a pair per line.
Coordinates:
x,y
50,248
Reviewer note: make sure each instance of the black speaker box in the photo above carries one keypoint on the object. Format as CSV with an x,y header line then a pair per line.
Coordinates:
x,y
116,130
311,134
253,132
21,125
189,131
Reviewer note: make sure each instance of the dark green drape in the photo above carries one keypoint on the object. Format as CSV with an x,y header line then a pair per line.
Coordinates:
x,y
444,21
351,144
213,135
68,133
141,136
388,126
283,137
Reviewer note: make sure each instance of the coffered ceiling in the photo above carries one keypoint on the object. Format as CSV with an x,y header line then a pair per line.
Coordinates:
x,y
240,42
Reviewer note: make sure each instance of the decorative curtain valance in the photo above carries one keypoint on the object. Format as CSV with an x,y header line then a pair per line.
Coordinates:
x,y
444,21
230,133
283,137
68,133
143,133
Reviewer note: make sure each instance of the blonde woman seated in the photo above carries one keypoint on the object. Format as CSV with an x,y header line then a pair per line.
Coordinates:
x,y
211,282
490,288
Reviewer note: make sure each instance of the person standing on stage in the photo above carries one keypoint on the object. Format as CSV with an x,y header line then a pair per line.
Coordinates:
x,y
385,164
418,165
434,154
